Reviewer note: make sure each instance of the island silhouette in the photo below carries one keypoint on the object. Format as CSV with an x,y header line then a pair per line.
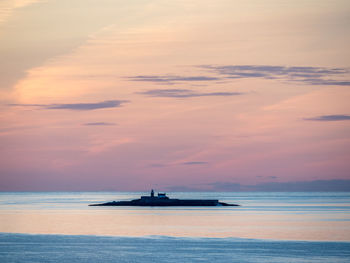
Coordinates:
x,y
162,200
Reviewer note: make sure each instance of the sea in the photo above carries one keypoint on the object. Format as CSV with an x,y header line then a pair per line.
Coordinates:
x,y
266,227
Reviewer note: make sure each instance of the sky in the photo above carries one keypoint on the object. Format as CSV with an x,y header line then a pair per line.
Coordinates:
x,y
173,95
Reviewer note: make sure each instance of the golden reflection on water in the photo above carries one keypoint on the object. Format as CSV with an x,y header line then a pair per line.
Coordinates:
x,y
185,223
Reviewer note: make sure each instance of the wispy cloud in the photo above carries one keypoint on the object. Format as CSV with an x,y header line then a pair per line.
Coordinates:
x,y
325,82
329,118
185,93
77,106
99,124
194,163
307,75
160,165
171,78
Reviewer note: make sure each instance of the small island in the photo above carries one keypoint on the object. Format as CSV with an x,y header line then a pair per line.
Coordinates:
x,y
162,200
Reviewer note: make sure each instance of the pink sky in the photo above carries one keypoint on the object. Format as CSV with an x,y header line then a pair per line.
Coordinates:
x,y
129,95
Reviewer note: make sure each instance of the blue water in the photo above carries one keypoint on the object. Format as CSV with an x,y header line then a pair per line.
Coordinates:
x,y
267,227
57,248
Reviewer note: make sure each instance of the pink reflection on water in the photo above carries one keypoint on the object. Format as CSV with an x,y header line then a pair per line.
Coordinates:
x,y
187,223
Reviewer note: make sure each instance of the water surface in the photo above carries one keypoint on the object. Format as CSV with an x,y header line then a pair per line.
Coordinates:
x,y
23,248
277,216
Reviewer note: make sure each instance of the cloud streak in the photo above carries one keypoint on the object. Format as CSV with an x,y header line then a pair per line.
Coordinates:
x,y
160,165
171,78
185,93
98,124
194,163
329,118
307,75
77,106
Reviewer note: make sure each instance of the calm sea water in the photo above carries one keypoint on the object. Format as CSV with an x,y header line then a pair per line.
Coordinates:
x,y
267,227
280,216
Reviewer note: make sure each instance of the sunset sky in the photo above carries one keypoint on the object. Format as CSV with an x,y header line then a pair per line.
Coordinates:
x,y
174,95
